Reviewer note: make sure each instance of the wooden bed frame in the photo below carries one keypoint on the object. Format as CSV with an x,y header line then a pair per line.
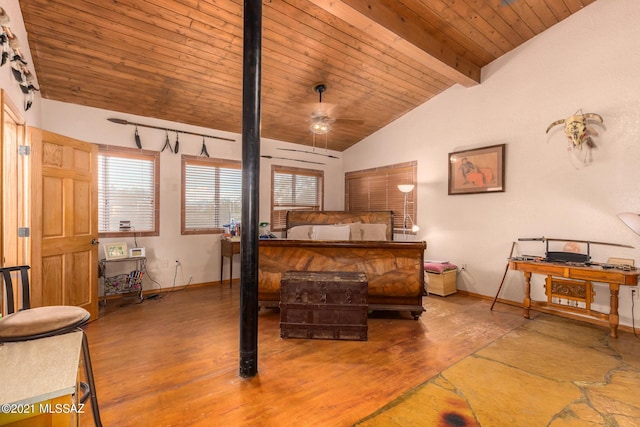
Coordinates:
x,y
394,269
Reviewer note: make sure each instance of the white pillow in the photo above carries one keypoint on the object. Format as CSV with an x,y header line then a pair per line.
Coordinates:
x,y
356,231
331,232
299,232
374,231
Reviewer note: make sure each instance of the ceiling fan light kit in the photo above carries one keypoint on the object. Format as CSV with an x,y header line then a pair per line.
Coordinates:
x,y
319,126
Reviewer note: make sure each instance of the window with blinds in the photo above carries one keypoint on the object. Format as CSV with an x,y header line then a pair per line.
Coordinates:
x,y
211,194
377,190
294,188
127,191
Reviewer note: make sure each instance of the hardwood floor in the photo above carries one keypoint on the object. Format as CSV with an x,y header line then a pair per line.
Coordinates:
x,y
174,361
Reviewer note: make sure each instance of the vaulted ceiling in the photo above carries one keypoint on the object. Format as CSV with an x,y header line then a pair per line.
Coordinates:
x,y
181,60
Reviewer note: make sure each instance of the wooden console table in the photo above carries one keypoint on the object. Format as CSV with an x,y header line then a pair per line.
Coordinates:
x,y
228,248
574,283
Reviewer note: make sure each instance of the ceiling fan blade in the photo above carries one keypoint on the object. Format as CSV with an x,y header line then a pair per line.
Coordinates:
x,y
349,121
320,108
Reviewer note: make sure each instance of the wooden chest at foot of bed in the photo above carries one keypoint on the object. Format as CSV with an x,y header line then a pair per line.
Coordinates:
x,y
323,305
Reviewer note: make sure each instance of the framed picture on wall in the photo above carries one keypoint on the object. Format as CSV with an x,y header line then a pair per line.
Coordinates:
x,y
479,170
116,250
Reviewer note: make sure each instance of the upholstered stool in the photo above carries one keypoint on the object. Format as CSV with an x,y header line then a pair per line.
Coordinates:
x,y
41,322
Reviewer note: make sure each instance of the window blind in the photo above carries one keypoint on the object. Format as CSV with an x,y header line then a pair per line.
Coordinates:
x,y
377,189
294,188
126,192
212,194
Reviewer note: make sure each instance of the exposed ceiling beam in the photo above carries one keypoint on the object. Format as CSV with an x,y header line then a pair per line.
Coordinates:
x,y
398,31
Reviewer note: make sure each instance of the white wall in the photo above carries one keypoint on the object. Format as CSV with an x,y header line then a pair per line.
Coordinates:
x,y
199,254
7,82
589,61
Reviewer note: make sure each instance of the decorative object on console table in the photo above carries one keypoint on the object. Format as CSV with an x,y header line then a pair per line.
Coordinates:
x,y
323,305
136,252
115,250
479,170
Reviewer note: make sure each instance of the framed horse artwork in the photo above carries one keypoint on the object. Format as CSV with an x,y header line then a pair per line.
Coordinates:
x,y
478,170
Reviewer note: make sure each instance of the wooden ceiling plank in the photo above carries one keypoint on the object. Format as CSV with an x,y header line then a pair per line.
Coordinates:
x,y
155,14
543,12
441,59
55,55
526,15
78,11
117,72
350,67
501,27
577,5
559,9
461,22
147,63
333,26
514,20
445,33
146,45
127,84
315,29
178,113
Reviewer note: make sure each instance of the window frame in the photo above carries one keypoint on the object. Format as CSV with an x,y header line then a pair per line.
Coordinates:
x,y
202,161
294,171
138,154
392,176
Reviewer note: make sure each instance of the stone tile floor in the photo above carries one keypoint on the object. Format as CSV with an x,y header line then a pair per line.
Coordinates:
x,y
549,372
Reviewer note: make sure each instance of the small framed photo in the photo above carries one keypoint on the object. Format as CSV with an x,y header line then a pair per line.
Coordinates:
x,y
115,250
136,252
480,170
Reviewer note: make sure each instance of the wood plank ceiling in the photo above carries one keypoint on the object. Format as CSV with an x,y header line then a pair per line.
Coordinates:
x,y
181,60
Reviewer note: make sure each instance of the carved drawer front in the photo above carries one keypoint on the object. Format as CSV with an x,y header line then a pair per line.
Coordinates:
x,y
323,305
578,291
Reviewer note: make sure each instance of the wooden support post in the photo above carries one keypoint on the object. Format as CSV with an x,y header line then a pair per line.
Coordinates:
x,y
251,78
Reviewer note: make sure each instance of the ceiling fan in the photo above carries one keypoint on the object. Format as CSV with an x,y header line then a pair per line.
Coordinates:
x,y
321,119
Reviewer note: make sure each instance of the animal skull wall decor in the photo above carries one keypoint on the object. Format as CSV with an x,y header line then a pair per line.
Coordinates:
x,y
577,130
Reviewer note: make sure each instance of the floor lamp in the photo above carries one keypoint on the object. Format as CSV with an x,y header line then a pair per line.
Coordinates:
x,y
406,189
632,220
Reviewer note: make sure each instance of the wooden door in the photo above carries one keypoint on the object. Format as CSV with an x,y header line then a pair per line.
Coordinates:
x,y
64,221
13,192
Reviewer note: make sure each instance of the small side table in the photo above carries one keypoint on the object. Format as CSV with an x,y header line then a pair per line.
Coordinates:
x,y
140,263
228,248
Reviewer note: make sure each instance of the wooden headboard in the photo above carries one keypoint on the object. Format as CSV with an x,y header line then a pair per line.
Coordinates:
x,y
295,218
